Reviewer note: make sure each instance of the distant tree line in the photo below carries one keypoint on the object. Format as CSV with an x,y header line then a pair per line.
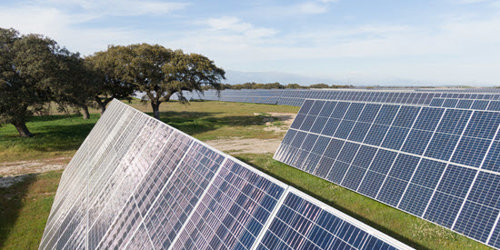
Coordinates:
x,y
35,72
277,85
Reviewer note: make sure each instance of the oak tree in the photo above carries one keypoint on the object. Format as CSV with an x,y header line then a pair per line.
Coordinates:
x,y
26,72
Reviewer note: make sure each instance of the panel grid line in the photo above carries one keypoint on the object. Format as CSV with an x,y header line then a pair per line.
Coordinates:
x,y
473,182
161,191
197,204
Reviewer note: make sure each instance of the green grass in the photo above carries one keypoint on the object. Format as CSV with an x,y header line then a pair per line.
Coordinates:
x,y
55,136
25,206
60,135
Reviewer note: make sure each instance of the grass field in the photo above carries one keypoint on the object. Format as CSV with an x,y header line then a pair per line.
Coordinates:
x,y
25,206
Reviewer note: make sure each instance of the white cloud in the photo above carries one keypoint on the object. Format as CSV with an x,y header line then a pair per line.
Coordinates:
x,y
119,7
235,26
456,48
311,8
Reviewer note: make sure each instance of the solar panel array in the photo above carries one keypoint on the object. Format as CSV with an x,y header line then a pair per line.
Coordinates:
x,y
295,97
136,183
440,164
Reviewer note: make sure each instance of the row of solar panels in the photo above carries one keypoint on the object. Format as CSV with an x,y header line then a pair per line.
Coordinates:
x,y
137,183
439,162
293,97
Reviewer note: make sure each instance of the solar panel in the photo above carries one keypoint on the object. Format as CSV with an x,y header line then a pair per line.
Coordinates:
x,y
440,164
136,183
295,97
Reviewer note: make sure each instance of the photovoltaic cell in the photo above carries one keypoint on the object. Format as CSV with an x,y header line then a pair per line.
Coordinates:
x,y
137,183
428,161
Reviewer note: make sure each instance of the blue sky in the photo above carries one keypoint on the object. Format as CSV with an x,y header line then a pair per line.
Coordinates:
x,y
441,42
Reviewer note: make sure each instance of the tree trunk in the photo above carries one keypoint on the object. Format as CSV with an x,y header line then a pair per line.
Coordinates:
x,y
85,111
156,109
22,129
102,105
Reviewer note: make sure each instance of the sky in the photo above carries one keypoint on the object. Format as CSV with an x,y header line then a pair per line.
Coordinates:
x,y
371,42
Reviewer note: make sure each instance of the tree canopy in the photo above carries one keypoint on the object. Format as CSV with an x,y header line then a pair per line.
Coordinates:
x,y
159,72
111,80
27,69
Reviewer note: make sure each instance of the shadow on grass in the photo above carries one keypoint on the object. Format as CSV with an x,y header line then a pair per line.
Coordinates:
x,y
194,123
343,209
45,118
11,202
51,138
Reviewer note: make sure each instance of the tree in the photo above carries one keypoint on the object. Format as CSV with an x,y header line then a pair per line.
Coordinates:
x,y
110,71
294,86
160,72
75,84
27,68
319,86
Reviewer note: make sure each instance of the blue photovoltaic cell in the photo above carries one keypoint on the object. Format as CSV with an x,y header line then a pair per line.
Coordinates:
x,y
353,112
403,167
476,221
359,131
406,116
330,126
494,106
443,209
470,151
395,138
454,121
495,237
340,110
483,125
319,124
353,177
415,199
428,118
450,103
371,183
300,224
327,109
442,146
481,105
386,114
376,134
344,129
364,156
485,190
464,104
337,172
369,113
348,152
417,141
427,141
333,148
456,180
320,145
492,161
428,173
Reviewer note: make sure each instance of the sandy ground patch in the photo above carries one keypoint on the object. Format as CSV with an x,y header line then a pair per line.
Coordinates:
x,y
240,145
277,122
35,166
13,172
